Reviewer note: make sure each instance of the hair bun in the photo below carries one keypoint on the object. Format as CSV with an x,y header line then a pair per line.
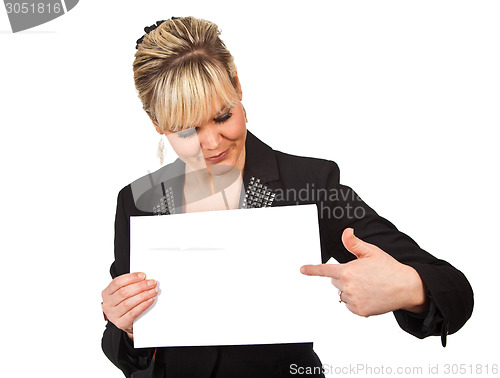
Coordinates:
x,y
149,29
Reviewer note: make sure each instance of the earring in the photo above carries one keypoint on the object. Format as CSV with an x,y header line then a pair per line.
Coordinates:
x,y
160,151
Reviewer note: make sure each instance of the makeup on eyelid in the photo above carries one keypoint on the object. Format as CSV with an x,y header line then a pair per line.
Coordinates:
x,y
219,141
191,131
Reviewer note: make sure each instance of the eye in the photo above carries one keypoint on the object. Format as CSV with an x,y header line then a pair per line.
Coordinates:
x,y
224,117
186,133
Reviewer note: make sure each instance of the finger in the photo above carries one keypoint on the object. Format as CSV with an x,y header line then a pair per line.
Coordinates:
x,y
123,280
351,308
357,310
355,245
344,297
129,291
337,283
126,321
322,270
132,302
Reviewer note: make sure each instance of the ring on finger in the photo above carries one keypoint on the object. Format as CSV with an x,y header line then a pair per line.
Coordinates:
x,y
340,297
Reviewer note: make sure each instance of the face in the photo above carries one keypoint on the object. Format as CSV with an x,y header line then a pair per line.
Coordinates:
x,y
216,144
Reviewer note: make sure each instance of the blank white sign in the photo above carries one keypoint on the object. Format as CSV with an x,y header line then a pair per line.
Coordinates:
x,y
230,277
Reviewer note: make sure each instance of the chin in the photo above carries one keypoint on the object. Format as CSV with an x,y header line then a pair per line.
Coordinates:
x,y
221,168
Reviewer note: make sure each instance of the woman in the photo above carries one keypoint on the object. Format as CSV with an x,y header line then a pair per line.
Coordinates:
x,y
188,84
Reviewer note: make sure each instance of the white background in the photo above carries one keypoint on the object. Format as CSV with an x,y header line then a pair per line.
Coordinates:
x,y
403,95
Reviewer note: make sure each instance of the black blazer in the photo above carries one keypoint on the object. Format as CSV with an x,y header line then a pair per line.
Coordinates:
x,y
293,180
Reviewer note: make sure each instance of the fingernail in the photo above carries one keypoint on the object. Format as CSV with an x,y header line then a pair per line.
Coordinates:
x,y
151,282
141,276
153,291
302,270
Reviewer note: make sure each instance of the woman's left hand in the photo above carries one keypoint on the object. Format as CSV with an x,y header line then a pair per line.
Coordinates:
x,y
374,283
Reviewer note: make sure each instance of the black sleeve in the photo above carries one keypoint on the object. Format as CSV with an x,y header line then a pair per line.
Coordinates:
x,y
115,343
450,294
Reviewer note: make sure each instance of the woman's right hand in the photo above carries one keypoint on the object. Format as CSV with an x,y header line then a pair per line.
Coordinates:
x,y
126,297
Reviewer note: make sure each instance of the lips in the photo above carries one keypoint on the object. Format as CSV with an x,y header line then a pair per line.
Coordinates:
x,y
217,158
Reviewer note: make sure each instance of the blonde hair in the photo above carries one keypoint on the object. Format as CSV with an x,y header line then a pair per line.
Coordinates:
x,y
184,73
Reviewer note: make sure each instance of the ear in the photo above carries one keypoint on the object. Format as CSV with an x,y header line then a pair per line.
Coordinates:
x,y
157,127
238,85
158,130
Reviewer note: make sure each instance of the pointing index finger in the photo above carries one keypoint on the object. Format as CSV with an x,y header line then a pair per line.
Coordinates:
x,y
322,270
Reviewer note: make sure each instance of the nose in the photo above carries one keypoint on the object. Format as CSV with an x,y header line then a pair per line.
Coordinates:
x,y
209,137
